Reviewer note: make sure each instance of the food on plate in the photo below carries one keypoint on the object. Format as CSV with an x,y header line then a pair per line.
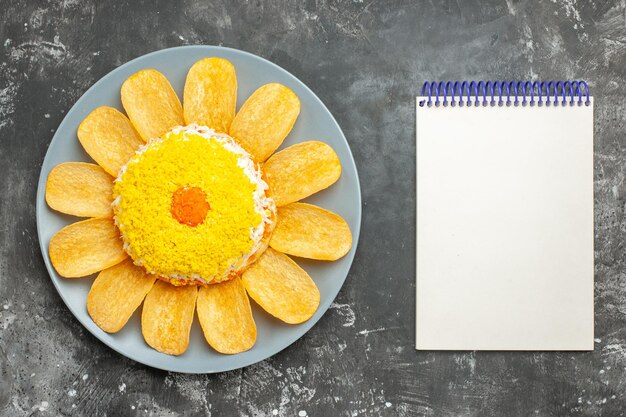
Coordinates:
x,y
86,247
116,293
225,316
109,138
151,104
210,97
182,210
301,170
80,189
167,317
193,207
312,232
265,120
282,288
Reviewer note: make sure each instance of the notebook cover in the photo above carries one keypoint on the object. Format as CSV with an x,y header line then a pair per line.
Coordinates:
x,y
505,257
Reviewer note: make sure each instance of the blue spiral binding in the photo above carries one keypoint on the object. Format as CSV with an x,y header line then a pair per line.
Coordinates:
x,y
500,93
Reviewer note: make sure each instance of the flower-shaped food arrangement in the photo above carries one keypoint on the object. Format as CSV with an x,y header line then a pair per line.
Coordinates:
x,y
189,208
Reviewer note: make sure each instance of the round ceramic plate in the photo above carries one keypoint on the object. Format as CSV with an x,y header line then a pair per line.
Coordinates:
x,y
314,122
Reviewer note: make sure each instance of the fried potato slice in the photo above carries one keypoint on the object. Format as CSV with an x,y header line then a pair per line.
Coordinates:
x,y
80,189
311,232
301,170
116,294
151,104
167,316
210,96
109,138
265,120
86,247
225,316
282,288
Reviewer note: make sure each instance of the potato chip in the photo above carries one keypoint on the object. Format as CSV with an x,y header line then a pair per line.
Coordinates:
x,y
265,120
226,318
282,288
80,189
210,97
167,316
109,138
86,247
151,104
116,294
311,232
301,170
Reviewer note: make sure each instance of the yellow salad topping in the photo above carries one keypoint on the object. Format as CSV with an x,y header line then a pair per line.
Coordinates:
x,y
185,205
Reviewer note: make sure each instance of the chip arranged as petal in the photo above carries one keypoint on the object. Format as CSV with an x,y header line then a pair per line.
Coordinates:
x,y
282,288
151,104
116,294
109,138
80,189
167,317
210,96
83,248
301,170
265,120
226,318
311,232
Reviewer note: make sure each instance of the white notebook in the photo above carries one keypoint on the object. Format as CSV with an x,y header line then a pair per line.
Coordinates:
x,y
505,255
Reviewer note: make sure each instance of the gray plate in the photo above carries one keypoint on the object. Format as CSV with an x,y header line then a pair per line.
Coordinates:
x,y
315,122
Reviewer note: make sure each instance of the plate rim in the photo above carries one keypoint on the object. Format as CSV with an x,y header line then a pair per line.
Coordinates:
x,y
306,326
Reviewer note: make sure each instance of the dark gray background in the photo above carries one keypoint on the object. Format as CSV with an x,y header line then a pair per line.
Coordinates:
x,y
366,61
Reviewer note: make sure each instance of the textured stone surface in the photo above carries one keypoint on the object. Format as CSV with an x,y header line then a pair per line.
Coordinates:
x,y
366,61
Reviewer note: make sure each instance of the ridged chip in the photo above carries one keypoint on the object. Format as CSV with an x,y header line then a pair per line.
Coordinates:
x,y
80,189
86,247
116,294
210,96
265,120
311,232
281,287
109,138
226,318
167,316
301,170
151,104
